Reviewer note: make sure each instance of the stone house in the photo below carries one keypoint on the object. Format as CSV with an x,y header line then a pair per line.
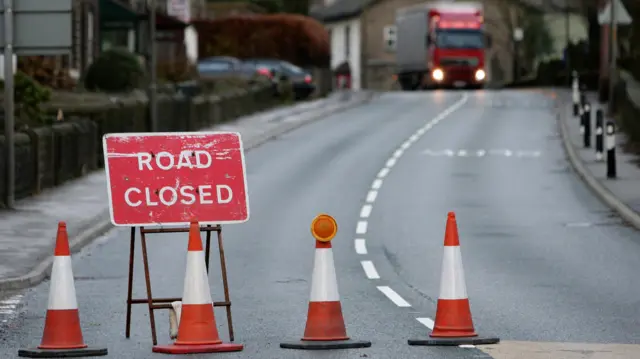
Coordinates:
x,y
362,33
100,24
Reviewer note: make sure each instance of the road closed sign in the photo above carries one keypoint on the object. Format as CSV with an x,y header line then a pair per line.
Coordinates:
x,y
171,178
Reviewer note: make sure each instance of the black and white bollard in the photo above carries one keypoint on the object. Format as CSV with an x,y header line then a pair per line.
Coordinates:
x,y
585,127
599,135
610,142
581,113
575,92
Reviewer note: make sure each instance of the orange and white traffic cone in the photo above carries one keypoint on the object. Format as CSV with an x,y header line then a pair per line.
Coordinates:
x,y
325,328
197,331
453,324
62,335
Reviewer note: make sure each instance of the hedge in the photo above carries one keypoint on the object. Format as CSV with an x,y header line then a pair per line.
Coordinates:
x,y
626,106
49,156
298,39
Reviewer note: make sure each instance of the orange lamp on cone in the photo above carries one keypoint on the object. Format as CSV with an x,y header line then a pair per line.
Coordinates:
x,y
325,328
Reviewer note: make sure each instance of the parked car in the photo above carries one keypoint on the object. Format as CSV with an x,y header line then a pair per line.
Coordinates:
x,y
301,79
226,66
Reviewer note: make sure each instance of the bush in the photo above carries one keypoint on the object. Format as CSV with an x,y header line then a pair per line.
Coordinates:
x,y
551,73
29,95
46,71
115,70
177,71
298,39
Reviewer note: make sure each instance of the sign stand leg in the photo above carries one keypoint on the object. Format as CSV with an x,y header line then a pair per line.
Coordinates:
x,y
207,248
165,303
132,248
225,285
147,279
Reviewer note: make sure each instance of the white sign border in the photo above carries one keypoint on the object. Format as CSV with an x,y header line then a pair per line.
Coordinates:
x,y
190,134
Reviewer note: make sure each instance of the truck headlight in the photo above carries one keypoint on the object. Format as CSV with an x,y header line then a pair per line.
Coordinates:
x,y
480,75
437,75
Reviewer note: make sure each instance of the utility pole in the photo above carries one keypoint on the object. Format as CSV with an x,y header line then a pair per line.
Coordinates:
x,y
612,50
567,28
9,134
152,92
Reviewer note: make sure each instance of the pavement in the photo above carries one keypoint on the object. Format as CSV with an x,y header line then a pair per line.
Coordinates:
x,y
538,278
621,193
27,234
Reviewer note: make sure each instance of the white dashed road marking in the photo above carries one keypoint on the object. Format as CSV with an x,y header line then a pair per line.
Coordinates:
x,y
370,270
371,196
394,297
427,322
481,153
366,211
361,246
361,228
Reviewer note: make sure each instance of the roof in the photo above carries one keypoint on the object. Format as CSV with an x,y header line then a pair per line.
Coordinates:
x,y
340,10
554,5
347,9
222,9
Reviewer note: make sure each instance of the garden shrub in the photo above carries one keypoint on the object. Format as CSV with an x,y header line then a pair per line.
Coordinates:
x,y
115,70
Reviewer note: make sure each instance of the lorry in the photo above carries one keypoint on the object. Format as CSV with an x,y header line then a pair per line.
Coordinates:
x,y
441,44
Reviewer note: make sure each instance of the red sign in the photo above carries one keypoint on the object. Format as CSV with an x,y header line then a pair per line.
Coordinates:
x,y
171,178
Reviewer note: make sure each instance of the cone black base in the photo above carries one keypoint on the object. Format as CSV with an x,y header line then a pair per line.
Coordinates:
x,y
326,345
575,109
197,349
62,353
479,340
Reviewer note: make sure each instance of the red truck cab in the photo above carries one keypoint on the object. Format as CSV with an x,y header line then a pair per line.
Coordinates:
x,y
456,43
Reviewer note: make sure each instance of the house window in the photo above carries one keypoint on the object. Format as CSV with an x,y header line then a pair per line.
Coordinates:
x,y
347,41
390,38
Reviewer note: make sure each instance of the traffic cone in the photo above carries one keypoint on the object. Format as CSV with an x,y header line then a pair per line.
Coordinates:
x,y
453,323
197,331
62,335
325,328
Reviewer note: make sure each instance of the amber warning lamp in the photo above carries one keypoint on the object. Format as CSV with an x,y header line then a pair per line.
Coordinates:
x,y
324,228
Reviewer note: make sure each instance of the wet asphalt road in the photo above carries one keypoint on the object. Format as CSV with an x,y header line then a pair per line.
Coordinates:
x,y
544,260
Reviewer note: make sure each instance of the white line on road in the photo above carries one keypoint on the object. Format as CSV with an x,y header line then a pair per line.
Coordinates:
x,y
371,196
427,322
366,211
383,172
361,246
362,227
393,296
370,270
391,162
